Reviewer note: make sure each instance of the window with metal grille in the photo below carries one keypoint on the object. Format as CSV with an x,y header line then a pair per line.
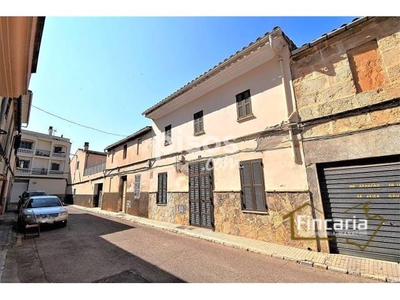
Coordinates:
x,y
168,135
243,104
26,145
125,151
55,167
136,193
198,123
162,188
253,190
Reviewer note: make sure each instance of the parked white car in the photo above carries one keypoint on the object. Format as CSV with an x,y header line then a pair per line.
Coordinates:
x,y
43,210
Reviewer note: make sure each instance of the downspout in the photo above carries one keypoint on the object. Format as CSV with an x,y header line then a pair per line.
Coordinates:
x,y
289,114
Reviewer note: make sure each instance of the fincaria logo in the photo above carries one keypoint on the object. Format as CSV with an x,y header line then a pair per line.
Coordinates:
x,y
331,226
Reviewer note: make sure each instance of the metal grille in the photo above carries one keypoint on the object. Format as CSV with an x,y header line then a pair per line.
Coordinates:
x,y
369,192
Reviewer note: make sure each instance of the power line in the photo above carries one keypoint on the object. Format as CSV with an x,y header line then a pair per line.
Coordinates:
x,y
78,124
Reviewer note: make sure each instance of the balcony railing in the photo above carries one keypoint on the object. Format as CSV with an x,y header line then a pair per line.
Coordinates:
x,y
56,172
40,152
39,171
23,171
25,151
95,169
55,154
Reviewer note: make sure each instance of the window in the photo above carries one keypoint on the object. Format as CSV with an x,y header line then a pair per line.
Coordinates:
x,y
55,167
24,164
253,190
168,135
74,191
136,193
77,165
125,151
198,123
112,157
26,145
139,141
57,149
162,188
243,104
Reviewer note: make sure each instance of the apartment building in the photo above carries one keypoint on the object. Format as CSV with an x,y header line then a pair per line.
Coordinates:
x,y
22,35
347,87
85,183
42,164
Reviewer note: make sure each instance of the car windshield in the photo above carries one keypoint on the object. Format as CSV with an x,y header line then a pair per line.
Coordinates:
x,y
36,193
44,202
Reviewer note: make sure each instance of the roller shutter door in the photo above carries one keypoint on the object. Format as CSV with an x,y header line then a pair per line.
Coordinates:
x,y
17,189
357,191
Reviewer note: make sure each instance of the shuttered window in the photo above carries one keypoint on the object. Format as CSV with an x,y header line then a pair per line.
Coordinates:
x,y
168,135
162,188
243,104
136,193
198,123
253,189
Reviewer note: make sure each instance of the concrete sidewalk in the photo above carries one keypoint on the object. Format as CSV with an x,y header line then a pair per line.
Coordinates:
x,y
7,238
370,268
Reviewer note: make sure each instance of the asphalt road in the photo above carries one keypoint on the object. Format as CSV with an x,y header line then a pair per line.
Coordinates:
x,y
102,249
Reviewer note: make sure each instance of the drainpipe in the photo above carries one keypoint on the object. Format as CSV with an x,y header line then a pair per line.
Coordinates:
x,y
289,114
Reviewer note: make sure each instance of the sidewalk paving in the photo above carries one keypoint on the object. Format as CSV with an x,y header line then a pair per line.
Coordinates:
x,y
7,222
370,268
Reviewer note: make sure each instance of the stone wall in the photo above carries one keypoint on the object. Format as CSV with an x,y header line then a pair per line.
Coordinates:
x,y
83,200
270,227
170,212
330,77
111,202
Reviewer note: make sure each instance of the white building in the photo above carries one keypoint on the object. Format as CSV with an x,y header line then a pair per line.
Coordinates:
x,y
42,164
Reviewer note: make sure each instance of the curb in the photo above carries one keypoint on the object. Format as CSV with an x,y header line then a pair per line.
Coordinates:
x,y
245,248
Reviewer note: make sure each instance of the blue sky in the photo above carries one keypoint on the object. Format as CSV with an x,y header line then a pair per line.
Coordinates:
x,y
103,72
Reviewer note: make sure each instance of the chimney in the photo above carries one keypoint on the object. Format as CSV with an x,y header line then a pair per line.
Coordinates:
x,y
50,130
86,146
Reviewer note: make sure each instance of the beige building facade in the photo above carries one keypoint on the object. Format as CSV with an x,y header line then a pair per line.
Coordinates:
x,y
127,176
21,37
42,164
347,89
226,156
85,187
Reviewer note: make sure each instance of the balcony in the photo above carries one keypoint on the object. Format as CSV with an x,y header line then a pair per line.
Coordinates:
x,y
58,154
95,169
23,171
40,152
55,172
25,151
39,171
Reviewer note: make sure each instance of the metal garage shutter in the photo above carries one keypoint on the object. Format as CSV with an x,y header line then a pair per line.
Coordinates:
x,y
372,189
18,188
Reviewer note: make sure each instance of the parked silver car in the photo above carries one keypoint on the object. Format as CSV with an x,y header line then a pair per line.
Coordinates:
x,y
43,210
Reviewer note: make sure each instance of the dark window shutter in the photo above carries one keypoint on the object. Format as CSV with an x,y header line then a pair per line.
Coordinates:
x,y
245,174
253,190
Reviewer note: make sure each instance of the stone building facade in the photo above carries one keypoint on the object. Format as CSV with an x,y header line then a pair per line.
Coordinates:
x,y
347,89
